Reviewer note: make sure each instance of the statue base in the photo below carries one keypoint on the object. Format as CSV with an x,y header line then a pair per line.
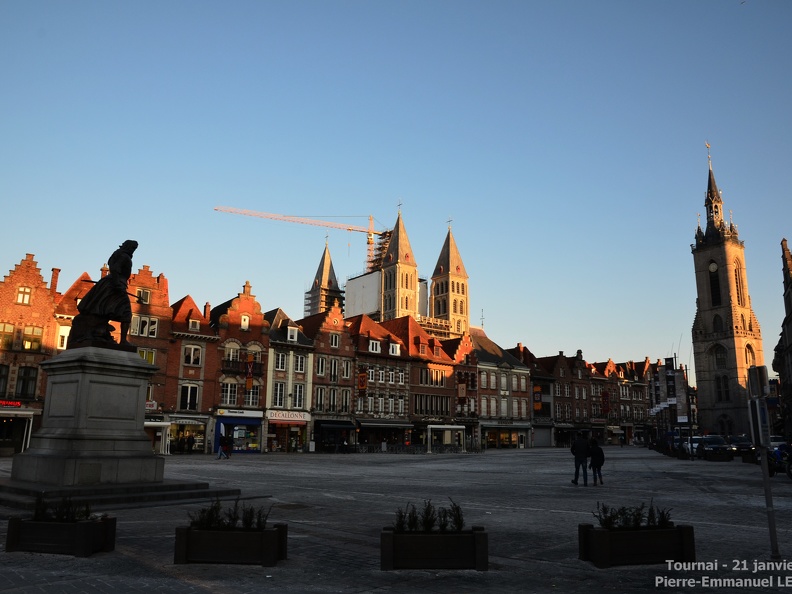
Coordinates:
x,y
92,424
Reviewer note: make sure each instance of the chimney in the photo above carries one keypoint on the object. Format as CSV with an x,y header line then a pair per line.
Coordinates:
x,y
207,310
54,281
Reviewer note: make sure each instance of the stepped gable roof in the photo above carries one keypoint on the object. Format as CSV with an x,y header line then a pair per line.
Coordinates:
x,y
458,348
536,366
489,352
413,336
449,259
67,306
279,324
311,325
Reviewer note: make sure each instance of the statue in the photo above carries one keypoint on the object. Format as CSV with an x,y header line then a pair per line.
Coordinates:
x,y
107,300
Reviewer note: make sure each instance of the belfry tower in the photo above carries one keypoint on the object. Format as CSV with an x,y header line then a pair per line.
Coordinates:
x,y
450,297
400,286
324,291
727,339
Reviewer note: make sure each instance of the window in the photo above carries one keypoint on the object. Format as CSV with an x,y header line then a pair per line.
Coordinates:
x,y
394,350
23,295
143,296
228,394
189,397
391,376
26,382
320,365
514,383
401,377
346,396
374,346
371,372
299,363
252,396
31,340
192,355
6,336
483,379
381,376
299,396
3,379
493,380
143,326
280,361
346,368
320,399
335,340
147,355
231,352
720,356
278,394
194,325
292,335
715,292
244,322
333,404
333,370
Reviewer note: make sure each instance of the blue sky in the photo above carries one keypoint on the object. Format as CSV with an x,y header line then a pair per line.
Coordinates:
x,y
565,140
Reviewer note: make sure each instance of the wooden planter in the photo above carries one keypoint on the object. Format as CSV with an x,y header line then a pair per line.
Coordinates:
x,y
468,549
605,548
80,539
249,547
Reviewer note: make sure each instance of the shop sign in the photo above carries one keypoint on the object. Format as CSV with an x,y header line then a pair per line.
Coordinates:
x,y
288,415
231,412
10,403
151,405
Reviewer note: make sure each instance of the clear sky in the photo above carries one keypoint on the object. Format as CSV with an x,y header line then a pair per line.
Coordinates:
x,y
564,139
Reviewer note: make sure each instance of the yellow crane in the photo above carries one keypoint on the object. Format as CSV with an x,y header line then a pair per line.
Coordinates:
x,y
376,249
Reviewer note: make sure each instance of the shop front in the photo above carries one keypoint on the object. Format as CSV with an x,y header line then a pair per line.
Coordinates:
x,y
156,427
443,436
186,434
505,436
333,435
240,430
384,432
16,426
287,430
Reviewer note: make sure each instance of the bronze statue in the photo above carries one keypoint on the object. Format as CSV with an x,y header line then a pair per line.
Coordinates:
x,y
107,300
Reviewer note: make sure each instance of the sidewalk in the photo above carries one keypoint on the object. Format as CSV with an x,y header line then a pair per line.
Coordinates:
x,y
336,505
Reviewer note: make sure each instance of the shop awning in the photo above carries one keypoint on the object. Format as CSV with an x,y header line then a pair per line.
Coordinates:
x,y
182,421
366,423
335,425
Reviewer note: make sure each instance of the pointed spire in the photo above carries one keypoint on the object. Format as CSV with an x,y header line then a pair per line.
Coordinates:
x,y
399,249
449,260
713,203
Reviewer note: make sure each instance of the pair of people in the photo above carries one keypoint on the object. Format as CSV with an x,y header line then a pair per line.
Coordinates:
x,y
583,449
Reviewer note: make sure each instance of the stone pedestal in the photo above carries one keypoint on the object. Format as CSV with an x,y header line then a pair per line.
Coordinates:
x,y
92,424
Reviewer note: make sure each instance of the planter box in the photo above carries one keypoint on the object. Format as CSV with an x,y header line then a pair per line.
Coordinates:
x,y
605,548
249,547
80,539
468,549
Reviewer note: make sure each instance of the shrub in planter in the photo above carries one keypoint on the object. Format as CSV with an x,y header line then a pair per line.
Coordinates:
x,y
234,535
634,536
433,538
65,529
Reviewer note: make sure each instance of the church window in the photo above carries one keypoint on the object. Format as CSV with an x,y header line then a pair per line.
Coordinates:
x,y
738,282
750,356
714,281
717,324
455,305
720,354
722,388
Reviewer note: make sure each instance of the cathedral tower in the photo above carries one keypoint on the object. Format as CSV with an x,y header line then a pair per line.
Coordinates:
x,y
400,285
727,339
324,291
449,299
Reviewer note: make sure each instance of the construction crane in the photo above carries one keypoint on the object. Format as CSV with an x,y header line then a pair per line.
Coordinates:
x,y
376,248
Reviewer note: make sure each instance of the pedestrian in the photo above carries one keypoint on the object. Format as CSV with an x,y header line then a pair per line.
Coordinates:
x,y
580,449
221,446
190,442
597,460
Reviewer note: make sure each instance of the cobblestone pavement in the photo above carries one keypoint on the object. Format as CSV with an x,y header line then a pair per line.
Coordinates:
x,y
336,505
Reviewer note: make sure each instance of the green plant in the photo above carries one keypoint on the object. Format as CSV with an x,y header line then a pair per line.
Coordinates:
x,y
428,516
444,519
214,517
632,518
65,511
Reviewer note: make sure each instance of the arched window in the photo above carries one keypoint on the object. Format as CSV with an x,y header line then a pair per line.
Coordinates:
x,y
719,354
738,283
717,324
714,281
750,356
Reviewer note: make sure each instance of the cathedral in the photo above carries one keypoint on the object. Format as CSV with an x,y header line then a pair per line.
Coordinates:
x,y
727,339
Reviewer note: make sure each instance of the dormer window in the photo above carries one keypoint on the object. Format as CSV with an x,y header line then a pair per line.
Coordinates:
x,y
143,296
292,335
195,325
394,349
374,346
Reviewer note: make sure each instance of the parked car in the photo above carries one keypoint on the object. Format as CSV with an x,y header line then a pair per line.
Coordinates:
x,y
689,445
713,446
740,444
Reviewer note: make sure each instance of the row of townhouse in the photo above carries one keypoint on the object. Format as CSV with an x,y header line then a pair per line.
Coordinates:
x,y
269,383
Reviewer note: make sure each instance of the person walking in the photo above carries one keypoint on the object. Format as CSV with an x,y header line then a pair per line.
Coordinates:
x,y
580,449
597,460
222,445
